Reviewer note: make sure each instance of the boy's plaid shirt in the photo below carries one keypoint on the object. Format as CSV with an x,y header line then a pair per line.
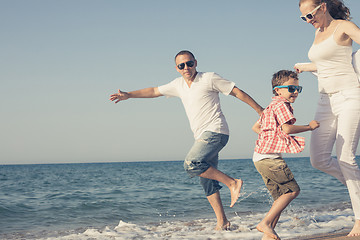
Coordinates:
x,y
271,138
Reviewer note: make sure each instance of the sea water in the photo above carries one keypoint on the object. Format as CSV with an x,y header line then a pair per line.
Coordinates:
x,y
157,200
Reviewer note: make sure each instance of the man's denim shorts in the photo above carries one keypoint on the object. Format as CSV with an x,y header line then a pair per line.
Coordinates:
x,y
203,154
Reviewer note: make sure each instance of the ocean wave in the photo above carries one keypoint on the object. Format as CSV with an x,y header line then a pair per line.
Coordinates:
x,y
293,223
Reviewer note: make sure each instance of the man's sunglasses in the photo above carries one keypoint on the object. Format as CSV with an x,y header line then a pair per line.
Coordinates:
x,y
310,15
181,66
291,88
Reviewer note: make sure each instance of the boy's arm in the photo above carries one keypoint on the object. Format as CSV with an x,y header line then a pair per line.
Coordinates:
x,y
151,92
292,129
256,128
243,96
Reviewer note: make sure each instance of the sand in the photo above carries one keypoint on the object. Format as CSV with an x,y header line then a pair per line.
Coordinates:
x,y
330,236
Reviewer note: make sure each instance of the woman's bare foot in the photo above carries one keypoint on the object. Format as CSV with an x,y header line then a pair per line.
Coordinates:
x,y
356,229
235,191
266,237
267,230
221,227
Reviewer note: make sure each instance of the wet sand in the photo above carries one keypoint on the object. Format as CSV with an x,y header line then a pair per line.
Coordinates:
x,y
329,236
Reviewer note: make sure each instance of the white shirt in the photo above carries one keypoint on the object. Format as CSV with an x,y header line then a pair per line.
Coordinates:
x,y
334,65
259,156
201,101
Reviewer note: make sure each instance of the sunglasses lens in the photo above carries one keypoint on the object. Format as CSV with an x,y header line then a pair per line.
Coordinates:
x,y
292,89
303,18
190,63
309,16
181,66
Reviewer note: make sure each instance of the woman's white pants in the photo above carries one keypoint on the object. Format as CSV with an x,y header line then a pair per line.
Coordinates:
x,y
339,117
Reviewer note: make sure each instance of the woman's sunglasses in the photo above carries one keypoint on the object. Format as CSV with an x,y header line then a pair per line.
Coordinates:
x,y
291,88
181,66
310,15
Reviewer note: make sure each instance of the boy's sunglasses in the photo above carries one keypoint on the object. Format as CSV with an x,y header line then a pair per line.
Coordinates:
x,y
291,88
310,15
181,66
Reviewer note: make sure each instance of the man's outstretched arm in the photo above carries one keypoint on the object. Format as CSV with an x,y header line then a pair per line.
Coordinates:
x,y
243,96
151,92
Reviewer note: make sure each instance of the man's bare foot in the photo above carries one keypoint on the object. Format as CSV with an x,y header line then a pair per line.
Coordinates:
x,y
235,191
225,226
356,229
267,230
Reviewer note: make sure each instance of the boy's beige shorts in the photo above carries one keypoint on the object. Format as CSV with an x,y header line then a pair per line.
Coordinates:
x,y
277,176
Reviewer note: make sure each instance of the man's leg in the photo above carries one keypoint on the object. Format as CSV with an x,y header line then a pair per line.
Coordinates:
x,y
216,204
233,184
211,188
202,161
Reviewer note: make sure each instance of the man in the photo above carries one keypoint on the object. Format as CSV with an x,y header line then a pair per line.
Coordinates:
x,y
199,93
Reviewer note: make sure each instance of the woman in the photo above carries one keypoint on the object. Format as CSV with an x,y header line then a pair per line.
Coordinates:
x,y
338,108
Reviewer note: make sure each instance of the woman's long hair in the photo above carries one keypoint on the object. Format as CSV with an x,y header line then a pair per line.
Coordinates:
x,y
336,8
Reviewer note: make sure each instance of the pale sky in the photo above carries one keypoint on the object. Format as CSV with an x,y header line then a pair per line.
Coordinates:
x,y
61,60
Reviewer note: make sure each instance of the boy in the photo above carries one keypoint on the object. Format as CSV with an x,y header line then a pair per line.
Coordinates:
x,y
274,127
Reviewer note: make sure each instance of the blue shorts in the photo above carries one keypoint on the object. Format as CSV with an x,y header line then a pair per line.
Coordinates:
x,y
203,154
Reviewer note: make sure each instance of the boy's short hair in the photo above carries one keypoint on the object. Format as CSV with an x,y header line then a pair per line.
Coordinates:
x,y
282,76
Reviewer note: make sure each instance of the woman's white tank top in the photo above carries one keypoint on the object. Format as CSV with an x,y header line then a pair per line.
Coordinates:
x,y
334,65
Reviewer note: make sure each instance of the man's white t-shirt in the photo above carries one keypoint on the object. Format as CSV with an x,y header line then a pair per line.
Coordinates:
x,y
201,101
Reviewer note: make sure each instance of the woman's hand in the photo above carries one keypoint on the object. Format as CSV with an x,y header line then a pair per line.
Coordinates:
x,y
305,67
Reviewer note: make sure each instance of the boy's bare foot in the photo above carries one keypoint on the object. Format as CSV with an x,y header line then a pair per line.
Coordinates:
x,y
356,229
235,191
225,226
267,230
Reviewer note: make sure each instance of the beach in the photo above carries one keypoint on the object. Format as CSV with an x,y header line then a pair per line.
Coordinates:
x,y
330,236
158,201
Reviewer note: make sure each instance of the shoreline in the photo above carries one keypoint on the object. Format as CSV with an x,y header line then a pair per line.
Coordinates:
x,y
340,235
